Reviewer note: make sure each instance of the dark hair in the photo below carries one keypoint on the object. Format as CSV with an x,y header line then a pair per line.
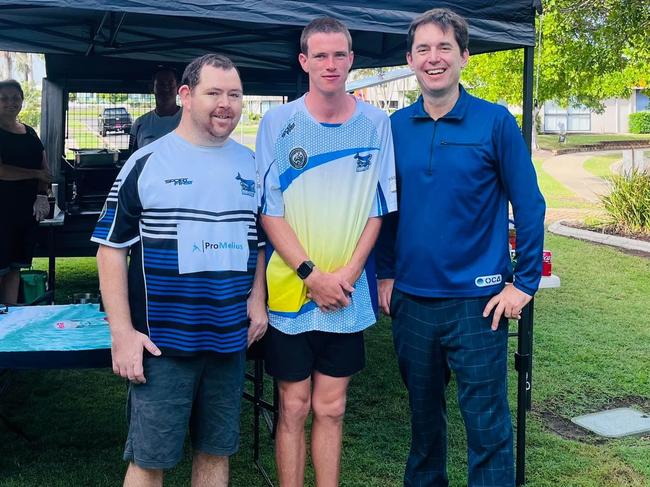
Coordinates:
x,y
12,83
164,69
192,72
323,25
445,19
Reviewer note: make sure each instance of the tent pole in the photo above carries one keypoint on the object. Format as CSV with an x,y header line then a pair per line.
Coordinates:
x,y
299,89
523,357
527,115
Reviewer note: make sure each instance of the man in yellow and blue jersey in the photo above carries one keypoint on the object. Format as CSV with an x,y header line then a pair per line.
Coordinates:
x,y
328,173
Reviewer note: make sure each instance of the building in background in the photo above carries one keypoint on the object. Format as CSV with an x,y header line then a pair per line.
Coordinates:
x,y
613,119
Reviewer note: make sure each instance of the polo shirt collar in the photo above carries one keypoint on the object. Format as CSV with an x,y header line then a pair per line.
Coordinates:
x,y
456,113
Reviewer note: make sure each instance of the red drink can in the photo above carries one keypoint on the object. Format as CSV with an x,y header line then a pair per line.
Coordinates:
x,y
546,263
512,238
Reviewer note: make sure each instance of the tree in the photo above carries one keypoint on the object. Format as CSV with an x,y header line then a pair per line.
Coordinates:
x,y
7,64
31,112
113,98
19,65
24,66
591,50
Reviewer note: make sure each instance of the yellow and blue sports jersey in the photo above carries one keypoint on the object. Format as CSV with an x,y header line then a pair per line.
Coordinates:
x,y
326,180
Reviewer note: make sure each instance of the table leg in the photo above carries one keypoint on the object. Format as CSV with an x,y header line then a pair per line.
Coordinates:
x,y
51,267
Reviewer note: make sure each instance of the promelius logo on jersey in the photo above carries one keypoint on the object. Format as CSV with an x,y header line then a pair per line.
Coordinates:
x,y
484,281
206,246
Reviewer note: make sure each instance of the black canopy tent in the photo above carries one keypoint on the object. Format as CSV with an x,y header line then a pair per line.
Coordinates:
x,y
114,46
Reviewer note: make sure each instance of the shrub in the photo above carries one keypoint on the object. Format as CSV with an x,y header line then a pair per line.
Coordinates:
x,y
31,112
639,122
628,204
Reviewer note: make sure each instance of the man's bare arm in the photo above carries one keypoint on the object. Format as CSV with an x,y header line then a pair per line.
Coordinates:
x,y
256,303
353,269
127,343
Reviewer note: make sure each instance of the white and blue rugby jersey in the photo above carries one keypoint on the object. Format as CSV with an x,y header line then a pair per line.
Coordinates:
x,y
189,215
326,181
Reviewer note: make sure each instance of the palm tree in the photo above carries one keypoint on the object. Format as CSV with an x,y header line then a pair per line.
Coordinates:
x,y
24,65
7,66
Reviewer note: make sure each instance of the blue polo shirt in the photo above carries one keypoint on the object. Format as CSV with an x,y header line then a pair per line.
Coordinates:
x,y
456,176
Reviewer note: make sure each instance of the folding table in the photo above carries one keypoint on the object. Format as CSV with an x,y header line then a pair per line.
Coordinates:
x,y
78,336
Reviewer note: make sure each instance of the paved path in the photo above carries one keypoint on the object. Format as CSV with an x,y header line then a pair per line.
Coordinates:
x,y
559,214
568,169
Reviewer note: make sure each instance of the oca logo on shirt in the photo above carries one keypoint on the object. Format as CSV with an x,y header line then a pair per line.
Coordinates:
x,y
483,281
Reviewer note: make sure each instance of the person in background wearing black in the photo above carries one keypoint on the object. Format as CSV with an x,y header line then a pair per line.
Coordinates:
x,y
24,177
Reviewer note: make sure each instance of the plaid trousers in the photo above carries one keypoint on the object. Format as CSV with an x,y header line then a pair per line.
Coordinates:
x,y
431,336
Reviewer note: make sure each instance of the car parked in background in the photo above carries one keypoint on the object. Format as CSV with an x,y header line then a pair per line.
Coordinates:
x,y
115,119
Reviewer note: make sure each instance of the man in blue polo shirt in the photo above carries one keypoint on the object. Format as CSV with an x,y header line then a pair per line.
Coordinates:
x,y
444,264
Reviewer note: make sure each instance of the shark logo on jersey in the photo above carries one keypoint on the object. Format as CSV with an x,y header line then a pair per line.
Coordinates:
x,y
298,158
247,185
363,162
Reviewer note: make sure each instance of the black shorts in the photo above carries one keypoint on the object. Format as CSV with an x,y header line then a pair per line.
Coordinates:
x,y
295,357
17,241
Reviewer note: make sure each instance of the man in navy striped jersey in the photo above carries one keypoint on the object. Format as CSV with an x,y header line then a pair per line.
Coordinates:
x,y
184,307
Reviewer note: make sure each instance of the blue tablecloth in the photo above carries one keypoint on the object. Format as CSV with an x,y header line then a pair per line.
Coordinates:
x,y
75,335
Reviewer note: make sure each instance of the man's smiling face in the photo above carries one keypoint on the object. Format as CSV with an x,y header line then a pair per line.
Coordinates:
x,y
436,60
215,104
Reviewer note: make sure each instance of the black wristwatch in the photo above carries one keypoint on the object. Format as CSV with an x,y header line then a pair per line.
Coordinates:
x,y
305,269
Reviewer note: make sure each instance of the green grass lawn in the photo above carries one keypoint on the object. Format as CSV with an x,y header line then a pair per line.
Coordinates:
x,y
551,142
249,128
600,165
591,352
84,137
555,193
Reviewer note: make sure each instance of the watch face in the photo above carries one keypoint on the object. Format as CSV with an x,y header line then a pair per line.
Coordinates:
x,y
305,269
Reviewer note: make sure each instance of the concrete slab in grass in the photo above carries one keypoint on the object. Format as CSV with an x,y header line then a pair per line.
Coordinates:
x,y
615,423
